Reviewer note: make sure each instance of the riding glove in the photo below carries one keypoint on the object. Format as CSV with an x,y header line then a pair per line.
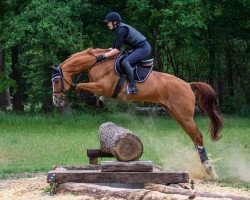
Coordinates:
x,y
100,58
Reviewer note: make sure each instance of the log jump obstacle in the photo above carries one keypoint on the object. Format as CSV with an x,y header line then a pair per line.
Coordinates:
x,y
126,171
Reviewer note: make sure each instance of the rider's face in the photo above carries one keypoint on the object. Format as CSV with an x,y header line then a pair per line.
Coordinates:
x,y
110,25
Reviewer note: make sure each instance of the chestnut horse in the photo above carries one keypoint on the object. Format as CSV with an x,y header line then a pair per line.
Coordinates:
x,y
175,95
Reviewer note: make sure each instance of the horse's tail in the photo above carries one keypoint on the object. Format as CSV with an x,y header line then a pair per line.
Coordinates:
x,y
206,100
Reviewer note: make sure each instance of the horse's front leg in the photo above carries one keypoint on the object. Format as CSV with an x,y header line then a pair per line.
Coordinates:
x,y
92,87
87,92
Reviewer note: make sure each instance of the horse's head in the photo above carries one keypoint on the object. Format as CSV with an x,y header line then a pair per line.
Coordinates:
x,y
60,87
75,64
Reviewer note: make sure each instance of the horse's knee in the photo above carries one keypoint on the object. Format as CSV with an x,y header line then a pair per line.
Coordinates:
x,y
78,88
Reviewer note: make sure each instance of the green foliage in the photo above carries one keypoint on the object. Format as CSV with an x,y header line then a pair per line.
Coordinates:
x,y
5,81
47,34
195,40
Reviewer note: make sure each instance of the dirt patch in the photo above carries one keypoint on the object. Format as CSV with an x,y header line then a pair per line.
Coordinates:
x,y
35,187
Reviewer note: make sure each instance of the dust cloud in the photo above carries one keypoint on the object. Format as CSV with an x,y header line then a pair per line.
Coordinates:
x,y
237,162
174,154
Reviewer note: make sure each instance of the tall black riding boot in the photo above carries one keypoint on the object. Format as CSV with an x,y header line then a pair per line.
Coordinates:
x,y
130,75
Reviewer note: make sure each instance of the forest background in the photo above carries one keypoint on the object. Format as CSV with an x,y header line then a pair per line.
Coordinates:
x,y
195,40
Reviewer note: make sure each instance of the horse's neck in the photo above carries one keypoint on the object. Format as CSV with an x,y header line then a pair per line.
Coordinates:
x,y
96,52
80,62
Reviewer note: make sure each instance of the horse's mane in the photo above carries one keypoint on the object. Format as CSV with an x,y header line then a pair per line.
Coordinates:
x,y
97,51
90,51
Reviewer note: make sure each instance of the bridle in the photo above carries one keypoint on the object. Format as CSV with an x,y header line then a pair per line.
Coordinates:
x,y
59,75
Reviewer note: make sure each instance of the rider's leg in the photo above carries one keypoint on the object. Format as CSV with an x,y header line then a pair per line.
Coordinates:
x,y
134,57
130,76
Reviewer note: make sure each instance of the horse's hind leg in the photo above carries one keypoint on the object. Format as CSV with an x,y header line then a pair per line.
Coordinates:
x,y
184,116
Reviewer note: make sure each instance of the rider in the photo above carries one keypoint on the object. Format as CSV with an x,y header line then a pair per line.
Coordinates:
x,y
132,38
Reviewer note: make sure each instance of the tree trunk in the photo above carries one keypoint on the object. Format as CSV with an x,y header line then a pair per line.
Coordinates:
x,y
211,45
229,64
4,95
156,52
47,103
220,88
212,65
170,59
120,142
16,75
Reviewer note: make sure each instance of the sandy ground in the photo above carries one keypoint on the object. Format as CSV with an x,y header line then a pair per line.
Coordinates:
x,y
34,188
31,189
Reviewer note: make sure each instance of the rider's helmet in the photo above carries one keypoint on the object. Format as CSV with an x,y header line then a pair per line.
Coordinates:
x,y
112,17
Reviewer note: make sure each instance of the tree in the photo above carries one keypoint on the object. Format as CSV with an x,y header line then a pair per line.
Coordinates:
x,y
4,88
196,40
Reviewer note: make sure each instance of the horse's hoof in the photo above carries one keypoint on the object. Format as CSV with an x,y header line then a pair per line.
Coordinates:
x,y
209,170
101,104
208,167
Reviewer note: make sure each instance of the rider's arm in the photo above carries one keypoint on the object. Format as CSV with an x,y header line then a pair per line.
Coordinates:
x,y
121,34
112,53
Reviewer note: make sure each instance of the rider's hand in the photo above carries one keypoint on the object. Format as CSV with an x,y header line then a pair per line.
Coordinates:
x,y
100,58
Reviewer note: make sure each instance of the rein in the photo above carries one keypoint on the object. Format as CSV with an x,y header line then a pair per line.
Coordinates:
x,y
92,54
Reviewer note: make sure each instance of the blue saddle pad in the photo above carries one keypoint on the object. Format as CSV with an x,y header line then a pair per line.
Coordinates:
x,y
141,72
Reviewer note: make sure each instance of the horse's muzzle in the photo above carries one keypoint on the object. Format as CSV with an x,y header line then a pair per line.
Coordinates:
x,y
59,101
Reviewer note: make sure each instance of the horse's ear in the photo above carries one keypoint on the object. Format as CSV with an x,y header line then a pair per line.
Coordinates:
x,y
55,69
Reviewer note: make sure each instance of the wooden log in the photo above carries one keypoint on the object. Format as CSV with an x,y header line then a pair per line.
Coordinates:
x,y
120,142
100,192
190,193
97,191
131,166
77,167
94,154
96,176
98,153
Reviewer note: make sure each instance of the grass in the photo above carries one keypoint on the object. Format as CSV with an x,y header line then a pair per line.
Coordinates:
x,y
33,143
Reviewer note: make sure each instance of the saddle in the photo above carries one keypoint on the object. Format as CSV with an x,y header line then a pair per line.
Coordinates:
x,y
141,69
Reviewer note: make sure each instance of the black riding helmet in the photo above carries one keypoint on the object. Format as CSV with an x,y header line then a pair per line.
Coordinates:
x,y
112,17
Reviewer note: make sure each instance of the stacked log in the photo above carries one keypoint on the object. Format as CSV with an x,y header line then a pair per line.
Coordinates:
x,y
167,193
131,166
121,142
100,192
